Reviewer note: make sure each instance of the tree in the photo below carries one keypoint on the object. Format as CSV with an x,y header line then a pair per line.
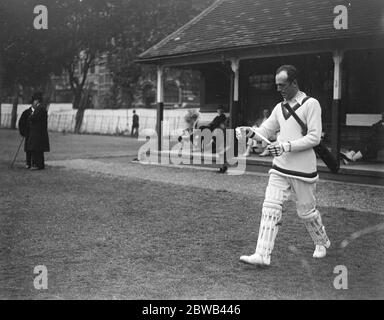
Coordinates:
x,y
26,66
141,24
78,30
10,31
84,29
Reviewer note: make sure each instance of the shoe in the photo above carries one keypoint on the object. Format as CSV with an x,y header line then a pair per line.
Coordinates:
x,y
265,153
256,259
321,250
347,155
357,156
223,169
27,167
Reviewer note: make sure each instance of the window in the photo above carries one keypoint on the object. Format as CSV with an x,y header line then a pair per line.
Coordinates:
x,y
171,92
262,82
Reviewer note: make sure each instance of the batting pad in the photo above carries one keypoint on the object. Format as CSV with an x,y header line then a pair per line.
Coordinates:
x,y
269,226
274,195
316,228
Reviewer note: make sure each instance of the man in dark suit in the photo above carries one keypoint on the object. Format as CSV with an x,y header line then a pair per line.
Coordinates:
x,y
38,141
24,131
135,125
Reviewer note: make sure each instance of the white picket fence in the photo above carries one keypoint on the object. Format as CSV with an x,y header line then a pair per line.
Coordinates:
x,y
61,117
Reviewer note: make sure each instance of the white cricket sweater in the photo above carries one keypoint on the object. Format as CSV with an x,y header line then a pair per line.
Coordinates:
x,y
301,161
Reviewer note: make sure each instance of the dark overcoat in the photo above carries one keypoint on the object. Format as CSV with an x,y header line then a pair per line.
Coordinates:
x,y
135,121
38,130
24,126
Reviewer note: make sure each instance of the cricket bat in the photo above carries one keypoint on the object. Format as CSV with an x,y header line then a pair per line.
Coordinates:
x,y
258,134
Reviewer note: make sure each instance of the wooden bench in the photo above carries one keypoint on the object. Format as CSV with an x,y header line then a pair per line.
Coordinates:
x,y
357,128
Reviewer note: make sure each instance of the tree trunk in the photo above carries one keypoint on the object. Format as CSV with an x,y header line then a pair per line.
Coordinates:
x,y
80,113
77,99
80,100
79,119
82,106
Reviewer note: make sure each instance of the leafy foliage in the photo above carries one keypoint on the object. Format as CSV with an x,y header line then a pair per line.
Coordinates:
x,y
24,53
78,32
142,24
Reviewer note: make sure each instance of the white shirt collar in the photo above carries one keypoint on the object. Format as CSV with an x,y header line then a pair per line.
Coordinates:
x,y
298,98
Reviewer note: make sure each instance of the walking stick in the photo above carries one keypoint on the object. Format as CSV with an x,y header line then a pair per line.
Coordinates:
x,y
17,152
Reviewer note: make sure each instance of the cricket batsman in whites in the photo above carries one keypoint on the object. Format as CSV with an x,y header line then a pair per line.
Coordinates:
x,y
294,168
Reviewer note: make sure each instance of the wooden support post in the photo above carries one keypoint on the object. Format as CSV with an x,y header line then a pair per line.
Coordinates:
x,y
160,106
234,105
336,104
202,89
234,110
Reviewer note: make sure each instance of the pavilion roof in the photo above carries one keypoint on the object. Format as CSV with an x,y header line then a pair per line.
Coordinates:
x,y
237,24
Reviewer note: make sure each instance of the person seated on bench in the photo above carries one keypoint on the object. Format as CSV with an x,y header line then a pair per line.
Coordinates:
x,y
369,149
218,121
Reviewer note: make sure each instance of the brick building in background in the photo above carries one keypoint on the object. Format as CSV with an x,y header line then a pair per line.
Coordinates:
x,y
179,92
99,83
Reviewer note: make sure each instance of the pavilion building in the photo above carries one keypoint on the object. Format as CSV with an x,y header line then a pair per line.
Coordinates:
x,y
237,45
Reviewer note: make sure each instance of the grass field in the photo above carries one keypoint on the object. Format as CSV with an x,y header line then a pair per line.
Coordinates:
x,y
109,229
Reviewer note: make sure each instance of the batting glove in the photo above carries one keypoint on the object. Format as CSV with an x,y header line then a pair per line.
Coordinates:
x,y
278,148
244,132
